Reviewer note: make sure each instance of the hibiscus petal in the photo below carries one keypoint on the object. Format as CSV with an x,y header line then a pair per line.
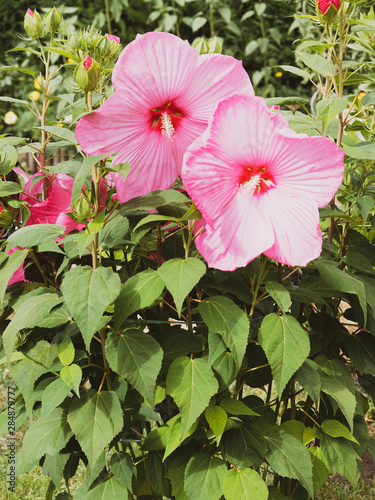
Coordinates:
x,y
156,67
157,160
215,78
238,235
311,166
295,221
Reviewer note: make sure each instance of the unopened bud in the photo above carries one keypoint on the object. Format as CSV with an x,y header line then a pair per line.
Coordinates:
x,y
73,41
327,11
82,208
33,24
53,20
6,217
202,46
104,47
87,74
215,46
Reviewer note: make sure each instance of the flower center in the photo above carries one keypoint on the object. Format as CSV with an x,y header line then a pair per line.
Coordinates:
x,y
255,180
166,119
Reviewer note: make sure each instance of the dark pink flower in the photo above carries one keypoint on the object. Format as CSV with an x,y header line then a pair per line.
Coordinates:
x,y
323,5
164,95
113,38
258,185
55,208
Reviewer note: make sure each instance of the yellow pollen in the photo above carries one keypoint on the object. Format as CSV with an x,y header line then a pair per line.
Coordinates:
x,y
167,125
248,188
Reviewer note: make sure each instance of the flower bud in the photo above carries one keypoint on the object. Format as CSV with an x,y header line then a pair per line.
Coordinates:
x,y
327,10
202,46
87,74
33,24
6,217
53,20
113,38
73,41
104,47
82,208
215,46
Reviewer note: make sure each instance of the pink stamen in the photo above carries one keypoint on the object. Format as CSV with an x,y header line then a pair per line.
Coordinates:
x,y
167,128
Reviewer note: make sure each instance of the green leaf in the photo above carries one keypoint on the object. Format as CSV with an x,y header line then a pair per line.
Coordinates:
x,y
88,293
286,345
180,276
308,376
279,294
343,397
295,71
110,488
316,62
174,436
53,395
341,457
361,152
12,99
37,234
204,477
114,232
244,445
154,200
8,159
96,224
120,168
139,291
95,419
8,267
156,474
152,218
361,349
137,357
335,429
217,420
72,376
123,469
48,434
84,176
365,204
358,261
175,474
66,351
7,188
216,347
33,310
295,428
22,70
223,316
244,484
321,470
191,383
236,407
53,466
288,457
61,132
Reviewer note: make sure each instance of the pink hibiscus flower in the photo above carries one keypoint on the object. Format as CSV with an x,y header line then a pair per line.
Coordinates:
x,y
54,209
324,5
258,185
18,275
164,95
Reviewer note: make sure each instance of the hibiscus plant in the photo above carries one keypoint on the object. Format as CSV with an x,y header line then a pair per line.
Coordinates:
x,y
188,302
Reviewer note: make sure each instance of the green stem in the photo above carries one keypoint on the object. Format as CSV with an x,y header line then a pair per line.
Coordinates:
x,y
108,17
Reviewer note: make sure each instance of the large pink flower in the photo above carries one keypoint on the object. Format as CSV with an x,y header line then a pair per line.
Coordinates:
x,y
164,95
258,185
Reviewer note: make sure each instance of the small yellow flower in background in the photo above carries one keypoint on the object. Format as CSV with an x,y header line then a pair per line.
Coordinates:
x,y
10,118
360,95
279,74
34,96
37,84
70,61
